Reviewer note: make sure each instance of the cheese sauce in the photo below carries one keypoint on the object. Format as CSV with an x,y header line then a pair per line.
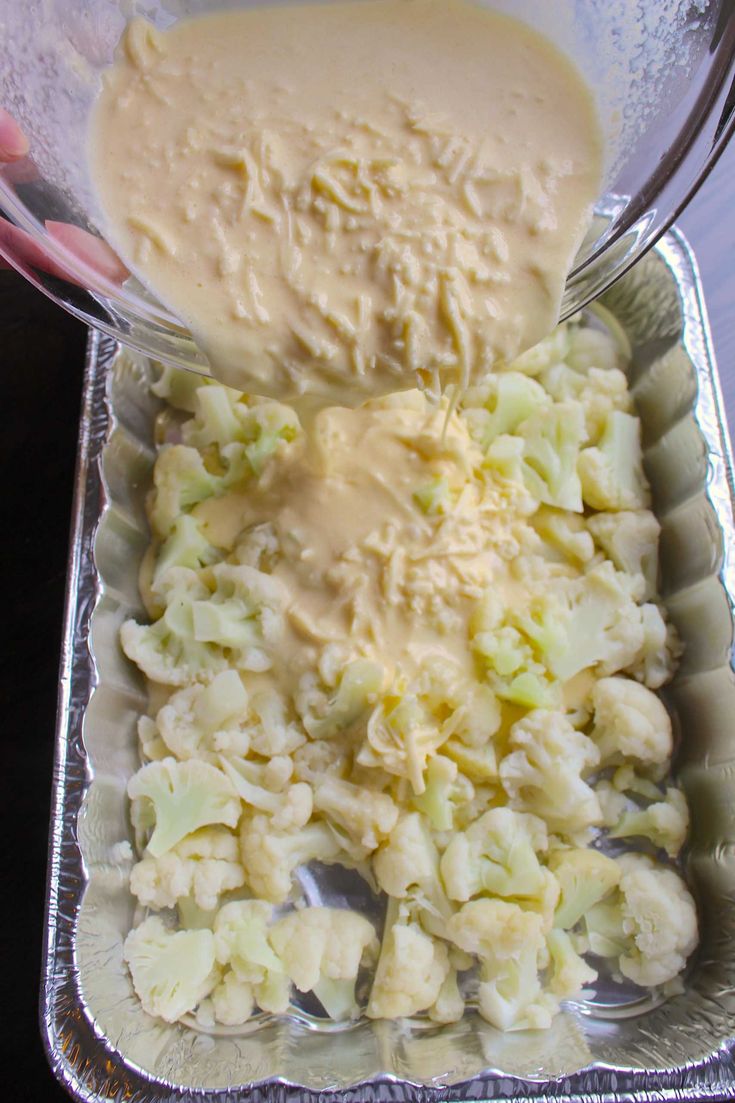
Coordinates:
x,y
346,200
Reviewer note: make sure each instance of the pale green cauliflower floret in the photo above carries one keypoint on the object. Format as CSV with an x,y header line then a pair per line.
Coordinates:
x,y
241,940
168,650
584,877
178,387
551,442
171,970
570,973
516,676
367,816
355,695
543,772
651,925
185,546
665,823
203,865
496,854
243,614
411,971
630,723
180,482
270,855
510,944
500,404
408,858
630,539
591,348
446,789
322,950
611,473
200,720
182,797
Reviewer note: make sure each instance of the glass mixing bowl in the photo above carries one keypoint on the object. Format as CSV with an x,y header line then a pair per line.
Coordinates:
x,y
662,72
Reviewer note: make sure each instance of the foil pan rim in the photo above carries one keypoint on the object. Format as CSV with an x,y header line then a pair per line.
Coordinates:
x,y
83,1059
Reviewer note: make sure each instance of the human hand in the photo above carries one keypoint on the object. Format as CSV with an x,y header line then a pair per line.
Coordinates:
x,y
16,243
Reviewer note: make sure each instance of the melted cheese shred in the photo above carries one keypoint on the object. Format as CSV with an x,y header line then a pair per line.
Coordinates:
x,y
350,199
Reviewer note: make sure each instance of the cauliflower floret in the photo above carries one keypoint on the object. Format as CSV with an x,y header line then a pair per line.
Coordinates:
x,y
168,651
496,854
656,661
152,747
313,761
203,865
241,941
178,388
630,538
552,350
288,807
551,440
182,797
500,404
630,722
542,772
447,789
592,348
569,972
511,946
270,855
180,481
275,731
659,920
584,877
411,971
367,817
171,970
321,950
356,694
243,615
566,531
449,1005
664,822
611,473
185,546
599,390
409,857
192,719
233,1000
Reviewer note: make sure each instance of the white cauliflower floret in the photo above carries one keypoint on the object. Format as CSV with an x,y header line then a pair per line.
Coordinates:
x,y
203,865
542,772
408,858
355,695
552,350
270,856
314,760
569,972
500,404
193,717
368,817
551,440
584,877
233,1000
589,347
274,732
611,473
449,1005
321,950
152,747
630,539
659,920
656,660
496,854
180,797
665,823
566,531
599,390
241,941
511,946
243,614
630,722
411,971
171,970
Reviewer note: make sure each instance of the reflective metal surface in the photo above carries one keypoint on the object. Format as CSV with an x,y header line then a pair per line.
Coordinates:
x,y
100,1042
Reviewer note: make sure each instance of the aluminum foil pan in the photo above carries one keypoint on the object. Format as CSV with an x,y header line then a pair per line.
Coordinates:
x,y
101,1044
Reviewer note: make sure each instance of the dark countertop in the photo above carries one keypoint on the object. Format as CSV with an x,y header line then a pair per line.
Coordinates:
x,y
43,354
